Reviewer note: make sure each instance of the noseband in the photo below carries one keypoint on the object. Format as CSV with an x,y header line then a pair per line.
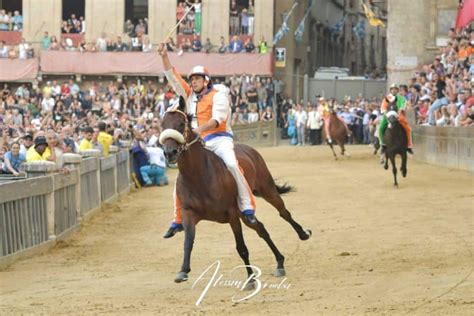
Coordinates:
x,y
177,136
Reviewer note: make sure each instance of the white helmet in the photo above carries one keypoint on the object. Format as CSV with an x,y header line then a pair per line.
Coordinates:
x,y
201,71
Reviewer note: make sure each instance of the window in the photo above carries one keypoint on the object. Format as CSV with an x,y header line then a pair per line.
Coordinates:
x,y
12,8
11,5
136,17
73,17
242,15
192,23
446,20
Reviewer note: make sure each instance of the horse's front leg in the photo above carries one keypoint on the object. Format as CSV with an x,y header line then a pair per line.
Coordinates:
x,y
189,223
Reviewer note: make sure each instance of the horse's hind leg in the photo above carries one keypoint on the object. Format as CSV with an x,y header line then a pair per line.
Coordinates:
x,y
242,250
403,169
263,233
394,170
334,153
343,150
271,196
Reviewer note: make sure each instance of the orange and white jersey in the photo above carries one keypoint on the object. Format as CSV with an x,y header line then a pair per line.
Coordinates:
x,y
213,104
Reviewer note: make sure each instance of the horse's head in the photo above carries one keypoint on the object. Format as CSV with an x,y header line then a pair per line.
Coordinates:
x,y
392,117
176,131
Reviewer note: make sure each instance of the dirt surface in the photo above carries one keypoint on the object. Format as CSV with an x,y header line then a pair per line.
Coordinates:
x,y
375,249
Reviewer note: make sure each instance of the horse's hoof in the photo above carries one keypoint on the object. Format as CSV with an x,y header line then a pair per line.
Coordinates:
x,y
395,185
385,167
279,272
307,234
181,277
249,286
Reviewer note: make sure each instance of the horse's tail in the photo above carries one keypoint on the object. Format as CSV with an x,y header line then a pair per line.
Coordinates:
x,y
281,189
285,188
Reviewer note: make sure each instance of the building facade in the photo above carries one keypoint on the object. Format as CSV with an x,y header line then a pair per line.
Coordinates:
x,y
416,31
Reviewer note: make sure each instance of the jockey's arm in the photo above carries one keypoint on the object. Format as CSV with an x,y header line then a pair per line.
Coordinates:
x,y
211,124
173,76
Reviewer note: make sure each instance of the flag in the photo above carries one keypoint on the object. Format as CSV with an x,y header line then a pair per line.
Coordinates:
x,y
339,26
465,13
359,29
373,20
284,29
300,29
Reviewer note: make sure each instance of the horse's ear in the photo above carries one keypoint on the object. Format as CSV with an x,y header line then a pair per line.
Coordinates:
x,y
182,104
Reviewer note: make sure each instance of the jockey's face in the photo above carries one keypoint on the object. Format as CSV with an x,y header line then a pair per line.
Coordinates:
x,y
197,83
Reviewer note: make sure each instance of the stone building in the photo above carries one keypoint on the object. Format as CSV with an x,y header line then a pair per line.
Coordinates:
x,y
415,31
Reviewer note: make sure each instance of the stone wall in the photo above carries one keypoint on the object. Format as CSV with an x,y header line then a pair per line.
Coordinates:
x,y
445,146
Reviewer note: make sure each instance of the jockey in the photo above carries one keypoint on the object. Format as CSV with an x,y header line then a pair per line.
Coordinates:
x,y
400,101
210,109
327,119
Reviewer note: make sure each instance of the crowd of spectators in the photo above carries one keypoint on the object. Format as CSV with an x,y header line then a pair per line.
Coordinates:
x,y
192,23
73,25
241,19
441,93
11,22
235,45
21,51
102,44
61,117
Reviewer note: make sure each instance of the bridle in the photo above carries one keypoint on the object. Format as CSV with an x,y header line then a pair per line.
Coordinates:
x,y
176,135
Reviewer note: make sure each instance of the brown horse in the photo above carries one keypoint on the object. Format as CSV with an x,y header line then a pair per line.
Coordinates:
x,y
208,191
338,133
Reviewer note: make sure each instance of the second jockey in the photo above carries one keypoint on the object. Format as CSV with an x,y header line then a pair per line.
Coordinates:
x,y
326,109
209,107
400,102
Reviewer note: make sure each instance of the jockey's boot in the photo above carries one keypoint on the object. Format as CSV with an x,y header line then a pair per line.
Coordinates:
x,y
410,151
249,216
174,228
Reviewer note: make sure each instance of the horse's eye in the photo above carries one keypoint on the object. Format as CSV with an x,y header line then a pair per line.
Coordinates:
x,y
181,126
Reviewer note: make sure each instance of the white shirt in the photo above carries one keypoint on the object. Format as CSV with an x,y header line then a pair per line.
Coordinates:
x,y
220,103
301,118
47,104
23,51
253,117
314,120
157,156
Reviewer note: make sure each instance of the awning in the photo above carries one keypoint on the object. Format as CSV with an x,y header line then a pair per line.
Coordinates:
x,y
137,63
18,69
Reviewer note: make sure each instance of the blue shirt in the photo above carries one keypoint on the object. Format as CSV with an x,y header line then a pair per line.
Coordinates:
x,y
347,117
140,158
15,162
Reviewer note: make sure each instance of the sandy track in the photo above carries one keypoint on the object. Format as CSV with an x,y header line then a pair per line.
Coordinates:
x,y
375,249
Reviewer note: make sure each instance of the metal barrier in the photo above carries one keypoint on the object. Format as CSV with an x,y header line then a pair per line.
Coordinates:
x,y
341,88
44,208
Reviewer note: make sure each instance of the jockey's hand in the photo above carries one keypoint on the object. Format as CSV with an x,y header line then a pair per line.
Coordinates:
x,y
162,50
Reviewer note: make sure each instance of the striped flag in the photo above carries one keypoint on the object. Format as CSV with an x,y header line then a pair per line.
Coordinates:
x,y
339,26
373,20
300,29
359,29
284,29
